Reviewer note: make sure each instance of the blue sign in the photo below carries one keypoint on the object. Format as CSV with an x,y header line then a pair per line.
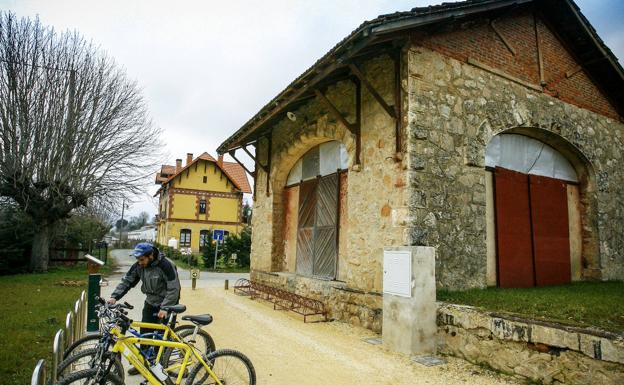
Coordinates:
x,y
217,235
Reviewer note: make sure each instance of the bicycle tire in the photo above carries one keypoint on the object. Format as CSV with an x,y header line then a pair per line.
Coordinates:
x,y
117,368
78,378
169,356
93,337
230,366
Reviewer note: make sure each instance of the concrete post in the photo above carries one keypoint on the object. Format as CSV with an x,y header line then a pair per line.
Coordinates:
x,y
409,318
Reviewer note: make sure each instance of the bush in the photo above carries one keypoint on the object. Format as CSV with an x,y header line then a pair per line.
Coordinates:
x,y
234,244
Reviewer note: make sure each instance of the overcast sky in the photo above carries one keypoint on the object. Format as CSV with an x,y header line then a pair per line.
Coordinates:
x,y
206,67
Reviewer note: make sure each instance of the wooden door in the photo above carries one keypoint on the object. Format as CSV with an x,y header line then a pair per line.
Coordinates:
x,y
551,234
513,229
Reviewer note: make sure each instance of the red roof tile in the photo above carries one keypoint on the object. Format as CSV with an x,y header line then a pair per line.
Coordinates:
x,y
239,176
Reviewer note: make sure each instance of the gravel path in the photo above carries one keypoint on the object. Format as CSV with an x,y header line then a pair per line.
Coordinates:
x,y
286,351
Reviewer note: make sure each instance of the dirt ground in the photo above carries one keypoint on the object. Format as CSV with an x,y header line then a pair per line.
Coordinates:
x,y
285,350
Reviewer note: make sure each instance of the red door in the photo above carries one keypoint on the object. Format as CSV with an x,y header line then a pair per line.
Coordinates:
x,y
513,229
532,234
551,235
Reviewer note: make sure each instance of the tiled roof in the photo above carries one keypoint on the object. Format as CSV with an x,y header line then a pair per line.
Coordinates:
x,y
238,174
580,29
234,172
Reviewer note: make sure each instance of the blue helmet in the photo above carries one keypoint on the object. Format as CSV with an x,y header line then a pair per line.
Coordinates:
x,y
142,249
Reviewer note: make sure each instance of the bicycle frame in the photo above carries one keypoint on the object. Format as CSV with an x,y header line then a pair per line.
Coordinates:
x,y
128,347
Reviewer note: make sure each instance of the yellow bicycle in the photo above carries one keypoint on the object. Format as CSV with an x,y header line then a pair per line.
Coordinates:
x,y
221,367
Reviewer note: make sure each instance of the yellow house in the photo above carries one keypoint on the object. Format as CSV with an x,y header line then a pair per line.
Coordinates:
x,y
206,194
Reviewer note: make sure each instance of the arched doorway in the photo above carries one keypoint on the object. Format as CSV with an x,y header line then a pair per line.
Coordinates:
x,y
312,204
535,212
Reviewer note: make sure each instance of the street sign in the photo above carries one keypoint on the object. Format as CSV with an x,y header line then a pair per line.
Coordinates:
x,y
217,235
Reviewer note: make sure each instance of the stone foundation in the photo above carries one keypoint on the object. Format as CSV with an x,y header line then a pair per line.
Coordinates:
x,y
343,303
543,352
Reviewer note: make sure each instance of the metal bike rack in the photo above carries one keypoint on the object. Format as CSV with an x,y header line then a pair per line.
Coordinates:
x,y
57,354
39,374
75,328
281,299
69,329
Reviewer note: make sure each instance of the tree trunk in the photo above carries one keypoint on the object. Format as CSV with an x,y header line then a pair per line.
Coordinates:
x,y
40,249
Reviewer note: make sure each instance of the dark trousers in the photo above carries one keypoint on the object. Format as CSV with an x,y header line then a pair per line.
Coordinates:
x,y
150,314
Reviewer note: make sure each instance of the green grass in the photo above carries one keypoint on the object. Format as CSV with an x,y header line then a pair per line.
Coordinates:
x,y
599,304
33,308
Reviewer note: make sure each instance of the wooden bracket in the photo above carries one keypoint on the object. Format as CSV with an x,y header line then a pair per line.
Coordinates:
x,y
268,166
351,127
354,128
232,154
398,107
356,71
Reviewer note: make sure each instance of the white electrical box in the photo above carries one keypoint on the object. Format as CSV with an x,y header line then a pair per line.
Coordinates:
x,y
397,272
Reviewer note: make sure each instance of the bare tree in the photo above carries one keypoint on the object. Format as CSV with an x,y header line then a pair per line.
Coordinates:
x,y
74,130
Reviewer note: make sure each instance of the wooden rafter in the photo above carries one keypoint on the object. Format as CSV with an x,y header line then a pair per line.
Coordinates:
x,y
540,59
501,37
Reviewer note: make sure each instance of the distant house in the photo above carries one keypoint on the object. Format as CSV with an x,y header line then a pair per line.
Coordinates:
x,y
204,195
145,233
488,129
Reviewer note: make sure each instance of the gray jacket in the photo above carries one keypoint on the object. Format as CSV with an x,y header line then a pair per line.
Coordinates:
x,y
159,281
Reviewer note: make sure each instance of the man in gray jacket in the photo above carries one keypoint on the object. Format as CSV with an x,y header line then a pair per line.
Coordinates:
x,y
160,282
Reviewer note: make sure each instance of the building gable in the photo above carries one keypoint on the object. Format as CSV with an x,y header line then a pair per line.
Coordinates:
x,y
193,178
523,46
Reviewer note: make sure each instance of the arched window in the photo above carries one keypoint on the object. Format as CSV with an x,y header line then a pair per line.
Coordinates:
x,y
316,175
185,238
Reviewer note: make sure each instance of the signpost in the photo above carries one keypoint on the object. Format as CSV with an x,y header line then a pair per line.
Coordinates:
x,y
217,235
93,265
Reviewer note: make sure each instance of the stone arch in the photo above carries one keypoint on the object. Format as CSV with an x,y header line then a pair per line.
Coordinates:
x,y
283,161
587,188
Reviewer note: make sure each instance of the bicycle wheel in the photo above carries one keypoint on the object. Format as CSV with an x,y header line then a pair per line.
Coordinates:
x,y
87,342
230,367
86,359
86,376
171,358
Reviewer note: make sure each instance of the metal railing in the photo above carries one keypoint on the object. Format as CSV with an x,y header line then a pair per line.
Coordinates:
x,y
75,328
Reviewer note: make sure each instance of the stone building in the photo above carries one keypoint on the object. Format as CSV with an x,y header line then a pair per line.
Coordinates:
x,y
203,195
488,129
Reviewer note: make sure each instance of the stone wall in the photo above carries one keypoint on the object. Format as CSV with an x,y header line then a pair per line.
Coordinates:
x,y
542,352
376,197
454,109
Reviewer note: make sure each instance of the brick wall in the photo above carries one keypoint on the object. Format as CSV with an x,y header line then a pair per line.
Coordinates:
x,y
478,40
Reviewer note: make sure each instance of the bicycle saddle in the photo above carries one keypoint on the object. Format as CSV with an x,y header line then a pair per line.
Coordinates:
x,y
174,308
202,319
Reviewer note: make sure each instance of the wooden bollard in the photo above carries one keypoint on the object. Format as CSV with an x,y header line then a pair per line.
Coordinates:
x,y
226,284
